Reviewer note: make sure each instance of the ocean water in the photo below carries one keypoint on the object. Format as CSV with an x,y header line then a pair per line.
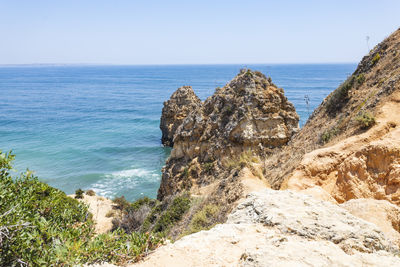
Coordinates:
x,y
98,126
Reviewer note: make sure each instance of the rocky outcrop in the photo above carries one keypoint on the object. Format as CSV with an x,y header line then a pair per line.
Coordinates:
x,y
182,102
380,212
369,92
249,113
282,228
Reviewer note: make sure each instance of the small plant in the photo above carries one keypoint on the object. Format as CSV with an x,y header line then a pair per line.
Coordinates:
x,y
329,134
90,192
260,74
204,219
110,214
249,73
180,205
365,120
141,202
186,173
121,203
339,97
208,167
245,159
375,59
79,193
360,79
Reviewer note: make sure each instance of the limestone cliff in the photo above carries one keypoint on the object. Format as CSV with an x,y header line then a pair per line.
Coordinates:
x,y
346,125
282,228
249,113
182,102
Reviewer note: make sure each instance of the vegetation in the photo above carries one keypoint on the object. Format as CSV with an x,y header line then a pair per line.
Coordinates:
x,y
204,219
121,203
147,214
360,79
375,59
42,226
90,192
173,214
365,120
340,95
79,193
245,159
208,167
329,134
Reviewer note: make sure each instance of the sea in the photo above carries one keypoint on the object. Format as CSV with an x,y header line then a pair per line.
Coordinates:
x,y
97,127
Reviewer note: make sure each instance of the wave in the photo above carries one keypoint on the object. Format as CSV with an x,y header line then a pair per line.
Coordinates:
x,y
130,180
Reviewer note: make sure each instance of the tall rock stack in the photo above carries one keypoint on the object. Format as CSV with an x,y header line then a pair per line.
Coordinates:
x,y
182,102
249,113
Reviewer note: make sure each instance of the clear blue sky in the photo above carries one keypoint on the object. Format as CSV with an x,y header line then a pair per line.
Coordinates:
x,y
180,32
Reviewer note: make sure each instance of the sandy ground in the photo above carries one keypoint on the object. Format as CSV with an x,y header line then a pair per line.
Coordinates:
x,y
100,207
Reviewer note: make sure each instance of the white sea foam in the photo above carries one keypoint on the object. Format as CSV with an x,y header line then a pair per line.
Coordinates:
x,y
130,179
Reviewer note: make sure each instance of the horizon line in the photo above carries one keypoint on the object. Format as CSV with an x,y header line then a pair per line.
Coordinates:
x,y
169,64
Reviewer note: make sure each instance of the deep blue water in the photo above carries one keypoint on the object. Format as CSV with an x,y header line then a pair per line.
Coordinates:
x,y
98,126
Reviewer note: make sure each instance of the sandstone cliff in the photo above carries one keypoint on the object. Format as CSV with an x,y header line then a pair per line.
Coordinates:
x,y
282,228
341,127
249,113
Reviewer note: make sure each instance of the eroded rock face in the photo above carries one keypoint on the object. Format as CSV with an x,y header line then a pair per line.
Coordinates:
x,y
282,228
380,212
249,113
182,102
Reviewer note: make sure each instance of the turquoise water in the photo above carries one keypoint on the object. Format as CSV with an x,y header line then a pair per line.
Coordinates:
x,y
98,126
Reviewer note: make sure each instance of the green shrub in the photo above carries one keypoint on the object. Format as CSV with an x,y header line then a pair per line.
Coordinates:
x,y
79,193
245,159
340,96
110,213
360,79
204,219
365,120
208,167
90,192
186,172
42,226
121,203
375,59
143,201
180,205
329,134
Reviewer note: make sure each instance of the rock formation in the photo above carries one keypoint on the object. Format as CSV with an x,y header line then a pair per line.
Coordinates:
x,y
282,228
370,92
182,102
249,113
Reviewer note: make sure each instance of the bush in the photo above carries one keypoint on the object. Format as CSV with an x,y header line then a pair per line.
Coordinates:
x,y
180,205
329,134
375,59
121,203
208,167
90,192
79,193
360,79
204,219
365,120
245,159
340,96
42,226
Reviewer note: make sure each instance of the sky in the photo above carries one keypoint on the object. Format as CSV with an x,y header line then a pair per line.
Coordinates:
x,y
192,32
